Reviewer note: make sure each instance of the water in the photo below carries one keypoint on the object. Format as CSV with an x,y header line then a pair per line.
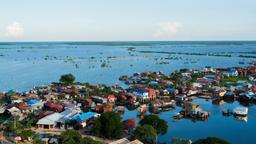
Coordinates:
x,y
24,65
229,128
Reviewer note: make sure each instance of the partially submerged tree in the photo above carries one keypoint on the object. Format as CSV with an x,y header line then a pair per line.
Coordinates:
x,y
211,140
67,79
146,133
160,125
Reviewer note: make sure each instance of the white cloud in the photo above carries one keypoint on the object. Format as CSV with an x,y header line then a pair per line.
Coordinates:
x,y
14,30
167,29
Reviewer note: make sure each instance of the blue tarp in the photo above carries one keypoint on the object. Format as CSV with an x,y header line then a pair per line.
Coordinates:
x,y
83,116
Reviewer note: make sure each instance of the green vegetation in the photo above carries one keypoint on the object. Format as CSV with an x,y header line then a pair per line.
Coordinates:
x,y
178,78
233,79
224,81
26,133
5,100
102,91
74,137
36,140
111,43
108,125
146,133
67,79
211,140
160,125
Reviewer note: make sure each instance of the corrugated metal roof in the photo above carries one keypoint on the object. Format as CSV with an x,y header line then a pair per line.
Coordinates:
x,y
50,119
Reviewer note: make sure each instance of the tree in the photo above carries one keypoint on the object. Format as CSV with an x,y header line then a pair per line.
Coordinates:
x,y
26,134
71,137
67,79
146,134
211,140
108,125
160,125
36,140
74,137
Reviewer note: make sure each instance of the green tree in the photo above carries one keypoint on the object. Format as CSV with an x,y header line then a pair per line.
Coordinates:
x,y
74,137
146,134
160,125
26,134
211,140
67,79
108,125
71,137
36,140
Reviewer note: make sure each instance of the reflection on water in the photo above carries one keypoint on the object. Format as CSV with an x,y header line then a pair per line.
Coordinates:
x,y
241,118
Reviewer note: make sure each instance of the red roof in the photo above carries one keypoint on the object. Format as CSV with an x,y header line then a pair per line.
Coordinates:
x,y
68,91
31,95
2,94
107,108
202,80
252,71
53,106
46,113
253,88
130,123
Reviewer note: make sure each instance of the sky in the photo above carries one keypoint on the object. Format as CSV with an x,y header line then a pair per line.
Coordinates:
x,y
127,20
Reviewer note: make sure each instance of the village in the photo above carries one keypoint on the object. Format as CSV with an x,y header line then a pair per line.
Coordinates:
x,y
51,109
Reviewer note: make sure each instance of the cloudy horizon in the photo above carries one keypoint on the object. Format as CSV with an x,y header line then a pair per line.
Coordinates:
x,y
144,20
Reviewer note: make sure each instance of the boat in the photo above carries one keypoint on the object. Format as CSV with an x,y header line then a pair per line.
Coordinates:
x,y
241,111
227,112
142,108
178,116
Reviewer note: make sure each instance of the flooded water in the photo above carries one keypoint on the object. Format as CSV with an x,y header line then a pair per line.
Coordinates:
x,y
229,128
24,65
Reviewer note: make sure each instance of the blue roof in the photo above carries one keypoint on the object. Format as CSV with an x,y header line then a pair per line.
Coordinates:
x,y
241,81
239,87
32,101
153,83
83,116
171,89
60,89
140,91
229,93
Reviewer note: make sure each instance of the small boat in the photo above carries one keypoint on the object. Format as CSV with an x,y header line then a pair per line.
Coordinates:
x,y
178,116
142,108
241,111
227,112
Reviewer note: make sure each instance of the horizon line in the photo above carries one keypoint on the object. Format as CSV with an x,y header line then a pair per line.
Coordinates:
x,y
60,41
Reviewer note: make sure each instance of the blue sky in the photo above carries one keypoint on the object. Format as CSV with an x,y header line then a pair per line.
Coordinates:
x,y
127,20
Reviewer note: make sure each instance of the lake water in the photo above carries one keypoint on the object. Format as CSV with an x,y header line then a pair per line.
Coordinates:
x,y
24,65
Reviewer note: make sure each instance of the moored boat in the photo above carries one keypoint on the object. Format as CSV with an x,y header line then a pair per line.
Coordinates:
x,y
241,111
